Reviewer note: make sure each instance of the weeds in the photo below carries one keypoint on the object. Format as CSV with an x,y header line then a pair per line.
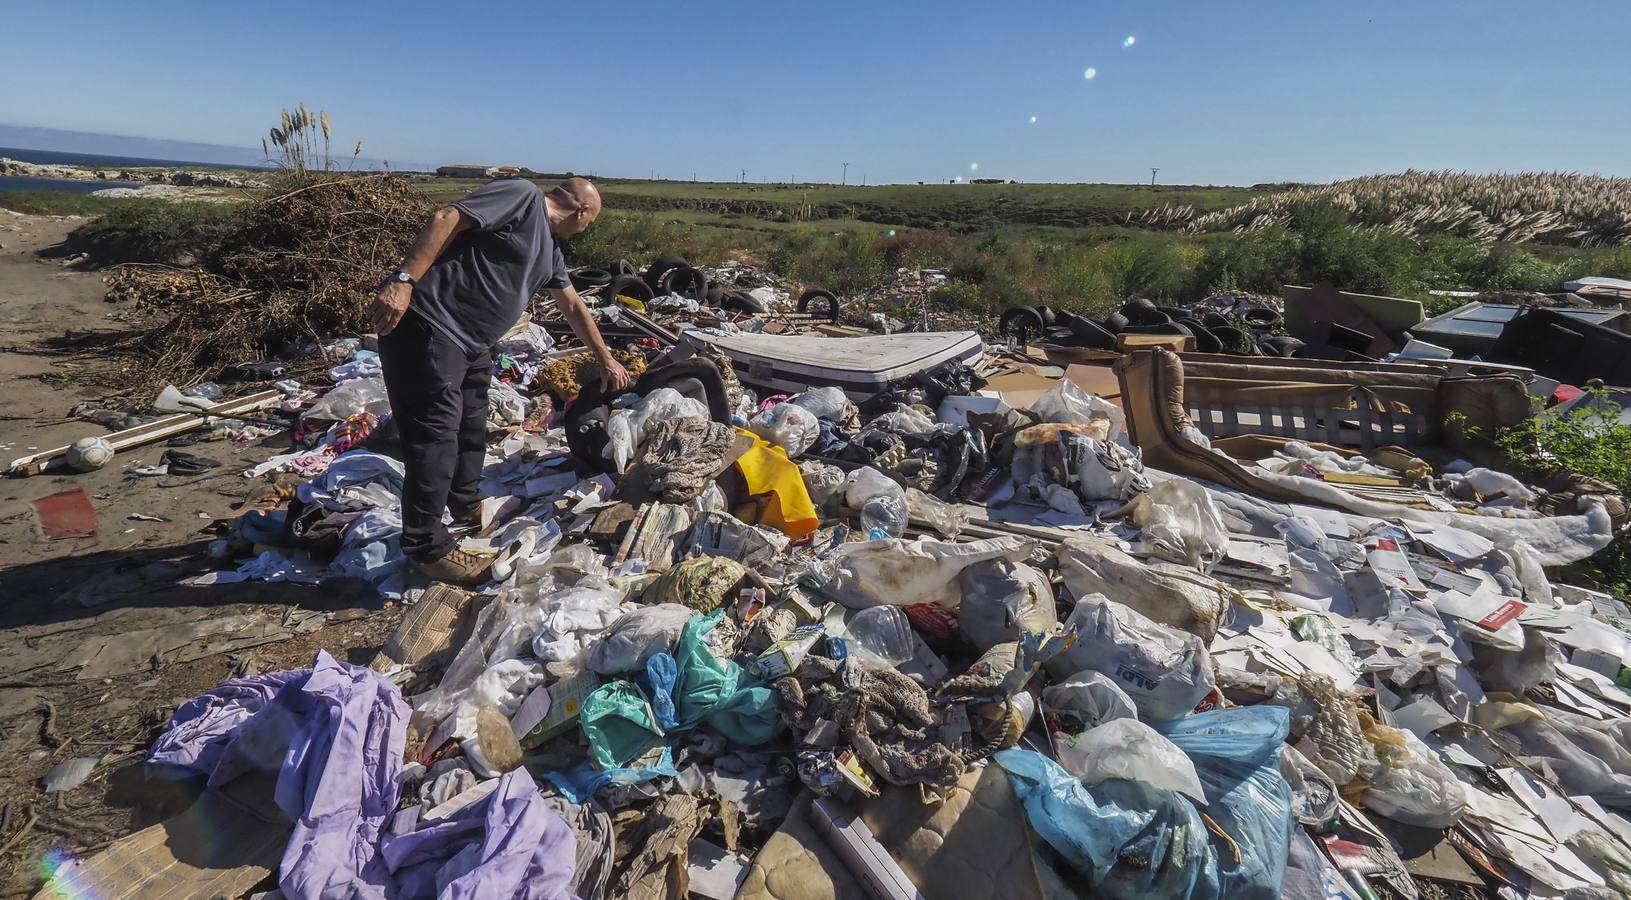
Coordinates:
x,y
1588,440
156,231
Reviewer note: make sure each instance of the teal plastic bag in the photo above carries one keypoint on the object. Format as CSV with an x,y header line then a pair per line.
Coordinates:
x,y
704,679
617,721
719,692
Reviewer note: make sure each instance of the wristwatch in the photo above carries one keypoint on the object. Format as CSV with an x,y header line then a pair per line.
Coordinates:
x,y
401,276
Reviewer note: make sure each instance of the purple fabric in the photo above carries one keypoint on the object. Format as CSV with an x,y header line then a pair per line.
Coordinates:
x,y
335,735
201,729
508,844
339,781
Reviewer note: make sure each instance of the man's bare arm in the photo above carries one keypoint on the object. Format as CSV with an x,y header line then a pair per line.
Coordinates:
x,y
391,303
612,374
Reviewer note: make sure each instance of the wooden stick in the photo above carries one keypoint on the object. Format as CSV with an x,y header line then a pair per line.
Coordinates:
x,y
151,432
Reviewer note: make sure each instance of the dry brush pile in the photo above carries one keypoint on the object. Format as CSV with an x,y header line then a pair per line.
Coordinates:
x,y
1579,210
301,269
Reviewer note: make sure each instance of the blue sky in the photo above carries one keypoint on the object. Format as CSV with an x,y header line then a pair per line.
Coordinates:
x,y
1234,92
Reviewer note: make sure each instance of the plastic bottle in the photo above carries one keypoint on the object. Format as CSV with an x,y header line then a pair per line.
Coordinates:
x,y
883,516
881,635
880,500
208,390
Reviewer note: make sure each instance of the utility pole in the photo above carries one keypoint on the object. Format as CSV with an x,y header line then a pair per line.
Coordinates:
x,y
744,176
1153,170
863,181
846,174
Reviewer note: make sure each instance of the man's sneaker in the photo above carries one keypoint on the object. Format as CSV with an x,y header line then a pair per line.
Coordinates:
x,y
457,568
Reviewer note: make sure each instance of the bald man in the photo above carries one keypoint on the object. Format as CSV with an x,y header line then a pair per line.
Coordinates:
x,y
466,280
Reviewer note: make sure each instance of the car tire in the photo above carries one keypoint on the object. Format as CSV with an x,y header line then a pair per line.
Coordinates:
x,y
819,294
632,286
660,267
583,279
685,281
742,302
1023,323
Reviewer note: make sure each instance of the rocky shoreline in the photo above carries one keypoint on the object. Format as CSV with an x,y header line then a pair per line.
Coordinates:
x,y
174,177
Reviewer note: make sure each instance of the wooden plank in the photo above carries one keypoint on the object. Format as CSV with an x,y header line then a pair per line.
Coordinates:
x,y
150,432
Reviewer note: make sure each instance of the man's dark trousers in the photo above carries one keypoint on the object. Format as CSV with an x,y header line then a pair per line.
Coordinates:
x,y
438,393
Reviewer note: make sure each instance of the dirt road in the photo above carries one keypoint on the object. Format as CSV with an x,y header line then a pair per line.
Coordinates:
x,y
98,680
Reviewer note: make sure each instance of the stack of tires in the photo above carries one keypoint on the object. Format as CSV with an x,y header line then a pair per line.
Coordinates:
x,y
674,275
1251,333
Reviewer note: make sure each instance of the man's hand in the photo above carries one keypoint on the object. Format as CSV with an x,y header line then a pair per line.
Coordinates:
x,y
389,306
613,377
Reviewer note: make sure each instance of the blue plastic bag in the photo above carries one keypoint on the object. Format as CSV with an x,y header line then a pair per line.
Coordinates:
x,y
1237,756
1134,841
1129,839
661,674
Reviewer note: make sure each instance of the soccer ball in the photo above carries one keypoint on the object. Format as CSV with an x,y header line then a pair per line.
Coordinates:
x,y
89,454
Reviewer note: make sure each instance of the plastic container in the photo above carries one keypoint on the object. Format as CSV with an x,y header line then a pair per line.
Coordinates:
x,y
882,635
883,516
881,502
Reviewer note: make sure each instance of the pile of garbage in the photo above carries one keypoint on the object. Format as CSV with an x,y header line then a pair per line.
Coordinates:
x,y
899,632
292,273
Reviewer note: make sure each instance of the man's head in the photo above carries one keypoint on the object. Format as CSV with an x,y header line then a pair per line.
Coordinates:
x,y
573,206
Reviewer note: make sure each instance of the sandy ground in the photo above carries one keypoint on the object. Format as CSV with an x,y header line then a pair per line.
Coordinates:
x,y
52,318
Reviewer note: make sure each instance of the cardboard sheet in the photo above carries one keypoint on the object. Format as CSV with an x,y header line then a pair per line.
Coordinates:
x,y
217,848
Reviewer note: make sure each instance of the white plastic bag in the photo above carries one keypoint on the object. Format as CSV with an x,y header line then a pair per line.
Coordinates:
x,y
637,636
1066,402
905,420
793,428
573,617
348,399
946,518
1127,748
1003,599
1415,787
826,402
825,483
626,428
1086,700
1166,671
1180,523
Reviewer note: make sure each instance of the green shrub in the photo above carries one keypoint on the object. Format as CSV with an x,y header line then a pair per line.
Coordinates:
x,y
959,295
1589,440
156,231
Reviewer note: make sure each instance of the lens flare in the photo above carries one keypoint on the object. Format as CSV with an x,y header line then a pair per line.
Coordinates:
x,y
974,167
1091,73
1033,120
1130,40
891,233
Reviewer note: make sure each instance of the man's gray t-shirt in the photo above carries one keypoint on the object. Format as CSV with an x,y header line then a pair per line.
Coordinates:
x,y
478,288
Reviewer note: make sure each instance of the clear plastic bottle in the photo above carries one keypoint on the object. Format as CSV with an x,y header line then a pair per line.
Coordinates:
x,y
881,635
880,500
883,516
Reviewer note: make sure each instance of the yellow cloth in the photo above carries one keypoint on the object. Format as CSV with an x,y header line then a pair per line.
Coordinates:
x,y
768,472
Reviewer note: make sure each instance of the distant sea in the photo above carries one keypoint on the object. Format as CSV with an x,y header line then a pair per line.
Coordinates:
x,y
10,183
91,159
13,183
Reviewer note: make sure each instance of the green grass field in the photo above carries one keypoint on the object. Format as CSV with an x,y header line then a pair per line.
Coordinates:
x,y
957,208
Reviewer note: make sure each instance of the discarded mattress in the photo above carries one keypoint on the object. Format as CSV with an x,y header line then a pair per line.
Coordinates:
x,y
861,366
